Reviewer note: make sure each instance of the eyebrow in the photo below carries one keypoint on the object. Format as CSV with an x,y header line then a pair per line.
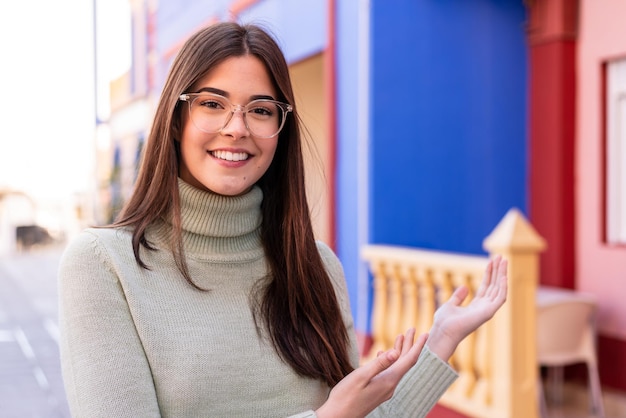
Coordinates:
x,y
225,94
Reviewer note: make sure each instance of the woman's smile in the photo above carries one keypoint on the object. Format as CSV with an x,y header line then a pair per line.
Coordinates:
x,y
230,155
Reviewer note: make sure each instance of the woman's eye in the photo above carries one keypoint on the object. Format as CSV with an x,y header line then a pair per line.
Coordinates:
x,y
211,104
259,111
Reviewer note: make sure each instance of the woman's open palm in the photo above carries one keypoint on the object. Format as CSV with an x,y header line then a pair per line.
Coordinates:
x,y
453,322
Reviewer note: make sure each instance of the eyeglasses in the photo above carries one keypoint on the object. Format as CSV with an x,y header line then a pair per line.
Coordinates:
x,y
211,113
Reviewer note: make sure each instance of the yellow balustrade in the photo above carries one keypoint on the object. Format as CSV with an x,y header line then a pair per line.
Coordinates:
x,y
496,364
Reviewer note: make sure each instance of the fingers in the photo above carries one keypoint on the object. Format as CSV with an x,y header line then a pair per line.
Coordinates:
x,y
482,288
381,363
409,358
497,289
459,295
408,341
502,282
490,285
490,270
399,343
403,343
407,350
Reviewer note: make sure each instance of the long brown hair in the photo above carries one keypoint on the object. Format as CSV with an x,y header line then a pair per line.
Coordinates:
x,y
298,305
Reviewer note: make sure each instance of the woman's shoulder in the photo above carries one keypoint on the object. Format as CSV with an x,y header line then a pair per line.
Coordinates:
x,y
97,242
332,263
330,259
100,236
338,279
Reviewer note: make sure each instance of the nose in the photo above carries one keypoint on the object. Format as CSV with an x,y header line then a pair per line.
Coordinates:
x,y
236,125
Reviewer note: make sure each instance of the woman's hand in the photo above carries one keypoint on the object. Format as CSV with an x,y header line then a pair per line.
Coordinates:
x,y
365,388
452,322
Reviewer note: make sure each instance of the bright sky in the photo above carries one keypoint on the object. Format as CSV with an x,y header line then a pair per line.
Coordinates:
x,y
47,88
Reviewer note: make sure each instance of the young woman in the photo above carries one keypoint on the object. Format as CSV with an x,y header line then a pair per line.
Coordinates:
x,y
209,295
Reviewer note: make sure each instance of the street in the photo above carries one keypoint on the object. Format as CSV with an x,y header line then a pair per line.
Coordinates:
x,y
30,373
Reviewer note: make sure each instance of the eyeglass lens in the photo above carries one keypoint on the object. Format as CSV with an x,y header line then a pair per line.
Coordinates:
x,y
211,113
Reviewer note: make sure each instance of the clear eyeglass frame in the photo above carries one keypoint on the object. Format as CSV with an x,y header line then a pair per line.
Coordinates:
x,y
231,108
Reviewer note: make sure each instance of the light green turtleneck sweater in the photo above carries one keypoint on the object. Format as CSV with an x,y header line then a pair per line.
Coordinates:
x,y
144,343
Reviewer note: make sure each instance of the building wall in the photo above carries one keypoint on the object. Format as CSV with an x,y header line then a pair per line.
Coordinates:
x,y
432,126
448,149
353,124
552,37
307,77
299,27
601,269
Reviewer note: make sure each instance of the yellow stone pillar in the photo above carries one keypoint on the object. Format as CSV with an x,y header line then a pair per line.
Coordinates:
x,y
515,370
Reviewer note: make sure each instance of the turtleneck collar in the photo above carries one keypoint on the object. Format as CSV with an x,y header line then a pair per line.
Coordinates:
x,y
219,228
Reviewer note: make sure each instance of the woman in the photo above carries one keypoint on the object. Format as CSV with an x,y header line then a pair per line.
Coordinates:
x,y
209,296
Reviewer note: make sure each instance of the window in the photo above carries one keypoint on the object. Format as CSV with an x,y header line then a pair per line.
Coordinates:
x,y
615,187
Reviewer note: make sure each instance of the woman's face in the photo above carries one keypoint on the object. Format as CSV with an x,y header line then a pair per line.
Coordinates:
x,y
232,160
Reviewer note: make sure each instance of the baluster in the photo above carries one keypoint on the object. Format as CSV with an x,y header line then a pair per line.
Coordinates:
x,y
444,283
484,382
428,301
394,308
411,300
379,310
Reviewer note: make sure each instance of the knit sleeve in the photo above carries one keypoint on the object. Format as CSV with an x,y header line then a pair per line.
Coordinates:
x,y
422,386
105,370
420,389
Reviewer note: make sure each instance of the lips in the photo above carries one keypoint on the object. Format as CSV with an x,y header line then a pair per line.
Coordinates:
x,y
230,156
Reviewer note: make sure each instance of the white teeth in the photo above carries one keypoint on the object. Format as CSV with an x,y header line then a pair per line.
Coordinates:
x,y
230,156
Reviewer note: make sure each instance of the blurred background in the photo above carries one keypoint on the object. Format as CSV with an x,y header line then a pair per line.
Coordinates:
x,y
427,121
59,60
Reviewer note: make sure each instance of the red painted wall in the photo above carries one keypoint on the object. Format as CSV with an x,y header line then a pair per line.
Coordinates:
x,y
552,115
552,34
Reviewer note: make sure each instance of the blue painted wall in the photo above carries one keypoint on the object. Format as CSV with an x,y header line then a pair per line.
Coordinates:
x,y
448,146
447,127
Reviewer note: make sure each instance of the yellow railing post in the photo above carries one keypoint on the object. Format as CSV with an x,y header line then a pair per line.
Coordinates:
x,y
515,369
